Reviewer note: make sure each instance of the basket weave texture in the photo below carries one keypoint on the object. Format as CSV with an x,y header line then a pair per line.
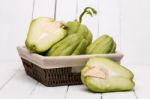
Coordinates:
x,y
58,70
52,77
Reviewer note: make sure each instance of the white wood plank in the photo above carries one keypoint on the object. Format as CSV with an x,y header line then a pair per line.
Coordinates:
x,y
80,92
119,95
44,8
135,22
43,92
91,22
142,80
5,76
11,65
109,19
66,10
7,71
15,16
19,87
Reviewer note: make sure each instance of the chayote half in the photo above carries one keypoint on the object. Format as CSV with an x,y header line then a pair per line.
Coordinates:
x,y
104,75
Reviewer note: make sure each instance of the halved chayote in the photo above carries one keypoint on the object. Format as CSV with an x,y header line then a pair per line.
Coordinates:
x,y
104,75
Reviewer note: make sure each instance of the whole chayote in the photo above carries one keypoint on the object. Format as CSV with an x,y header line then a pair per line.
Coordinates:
x,y
102,45
77,39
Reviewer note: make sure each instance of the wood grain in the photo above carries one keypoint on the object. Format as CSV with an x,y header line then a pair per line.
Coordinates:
x,y
44,8
19,87
66,10
80,91
42,92
15,17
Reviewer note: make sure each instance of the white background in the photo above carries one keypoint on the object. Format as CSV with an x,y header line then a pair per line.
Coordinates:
x,y
128,21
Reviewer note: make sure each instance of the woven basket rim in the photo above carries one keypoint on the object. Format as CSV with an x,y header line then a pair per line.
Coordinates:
x,y
61,61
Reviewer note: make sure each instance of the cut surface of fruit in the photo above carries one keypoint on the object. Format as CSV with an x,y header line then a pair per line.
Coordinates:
x,y
43,33
103,75
113,68
97,72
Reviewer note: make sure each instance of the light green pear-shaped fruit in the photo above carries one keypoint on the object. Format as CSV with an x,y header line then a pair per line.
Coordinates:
x,y
43,33
67,46
104,75
80,49
102,45
77,26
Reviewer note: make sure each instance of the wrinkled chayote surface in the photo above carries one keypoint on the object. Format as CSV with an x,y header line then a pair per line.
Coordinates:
x,y
72,44
77,39
102,45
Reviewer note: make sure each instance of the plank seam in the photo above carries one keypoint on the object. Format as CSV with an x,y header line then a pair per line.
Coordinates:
x,y
135,94
120,24
77,9
55,9
33,5
34,88
66,92
98,19
101,95
11,77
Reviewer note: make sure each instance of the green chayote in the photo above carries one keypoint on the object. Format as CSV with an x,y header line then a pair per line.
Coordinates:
x,y
43,33
77,39
102,45
104,75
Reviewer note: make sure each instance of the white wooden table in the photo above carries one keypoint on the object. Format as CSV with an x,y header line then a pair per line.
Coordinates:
x,y
15,84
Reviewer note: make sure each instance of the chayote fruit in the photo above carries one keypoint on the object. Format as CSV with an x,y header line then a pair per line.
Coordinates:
x,y
104,75
43,33
77,27
67,46
80,49
77,40
102,45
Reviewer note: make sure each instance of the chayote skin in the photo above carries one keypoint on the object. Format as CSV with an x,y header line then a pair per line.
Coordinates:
x,y
77,27
77,39
102,45
109,85
80,49
66,46
43,33
104,75
113,50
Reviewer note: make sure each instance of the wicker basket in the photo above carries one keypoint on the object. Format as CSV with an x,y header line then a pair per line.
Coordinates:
x,y
57,70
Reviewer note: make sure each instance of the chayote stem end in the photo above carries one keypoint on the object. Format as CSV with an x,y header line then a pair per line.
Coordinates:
x,y
88,10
